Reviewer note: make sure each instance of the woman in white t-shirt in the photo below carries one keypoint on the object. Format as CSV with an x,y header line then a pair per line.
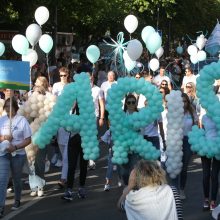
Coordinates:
x,y
14,137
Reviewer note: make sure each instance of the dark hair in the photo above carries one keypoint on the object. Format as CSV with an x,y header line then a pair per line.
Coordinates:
x,y
166,90
14,104
126,99
189,108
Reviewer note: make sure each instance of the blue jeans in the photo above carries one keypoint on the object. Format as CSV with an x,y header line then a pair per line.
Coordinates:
x,y
15,164
180,181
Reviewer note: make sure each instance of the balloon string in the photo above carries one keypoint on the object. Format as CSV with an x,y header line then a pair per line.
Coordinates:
x,y
48,68
30,79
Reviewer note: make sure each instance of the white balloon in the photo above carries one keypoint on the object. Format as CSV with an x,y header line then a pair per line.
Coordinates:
x,y
200,41
41,15
31,57
131,23
159,52
33,33
201,55
134,49
194,58
192,50
154,64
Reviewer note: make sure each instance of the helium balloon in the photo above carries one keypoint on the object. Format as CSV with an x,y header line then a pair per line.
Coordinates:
x,y
33,33
154,64
31,57
134,49
146,32
131,23
46,43
154,42
2,48
159,52
41,15
20,44
93,53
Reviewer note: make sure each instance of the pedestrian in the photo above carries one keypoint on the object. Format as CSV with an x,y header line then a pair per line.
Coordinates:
x,y
15,136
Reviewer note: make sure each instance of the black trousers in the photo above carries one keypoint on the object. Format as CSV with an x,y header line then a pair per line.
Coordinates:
x,y
75,151
210,173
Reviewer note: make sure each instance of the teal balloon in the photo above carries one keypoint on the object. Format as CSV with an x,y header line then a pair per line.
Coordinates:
x,y
46,43
2,48
20,44
179,50
93,53
146,32
154,42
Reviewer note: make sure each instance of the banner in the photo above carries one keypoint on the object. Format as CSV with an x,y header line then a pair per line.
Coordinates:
x,y
14,74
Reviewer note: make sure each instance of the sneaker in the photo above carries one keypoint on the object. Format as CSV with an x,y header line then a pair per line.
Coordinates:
x,y
68,195
40,192
114,168
212,206
47,166
54,158
10,190
206,205
33,193
91,165
58,163
82,193
182,195
16,205
107,187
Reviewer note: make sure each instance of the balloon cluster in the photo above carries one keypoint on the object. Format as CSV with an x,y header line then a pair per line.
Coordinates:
x,y
20,43
195,54
85,123
210,102
36,109
174,133
125,128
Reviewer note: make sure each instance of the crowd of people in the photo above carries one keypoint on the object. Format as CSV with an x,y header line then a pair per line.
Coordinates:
x,y
146,189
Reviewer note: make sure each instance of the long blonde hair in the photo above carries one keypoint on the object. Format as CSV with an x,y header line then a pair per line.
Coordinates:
x,y
149,173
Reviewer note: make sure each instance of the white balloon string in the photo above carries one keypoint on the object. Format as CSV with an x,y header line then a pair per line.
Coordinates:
x,y
30,79
48,68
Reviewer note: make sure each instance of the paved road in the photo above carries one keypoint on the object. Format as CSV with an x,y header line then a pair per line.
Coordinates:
x,y
99,204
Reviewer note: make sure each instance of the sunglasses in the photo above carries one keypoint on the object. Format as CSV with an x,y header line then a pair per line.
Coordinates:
x,y
189,87
130,102
137,77
164,84
63,75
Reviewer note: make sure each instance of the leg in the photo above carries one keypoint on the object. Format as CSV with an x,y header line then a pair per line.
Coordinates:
x,y
110,167
83,168
187,153
17,164
65,164
73,152
206,165
4,176
40,162
214,178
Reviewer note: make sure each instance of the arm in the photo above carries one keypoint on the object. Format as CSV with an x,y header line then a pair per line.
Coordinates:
x,y
102,111
162,134
23,144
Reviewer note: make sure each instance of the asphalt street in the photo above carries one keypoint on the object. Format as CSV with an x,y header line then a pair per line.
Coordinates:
x,y
98,204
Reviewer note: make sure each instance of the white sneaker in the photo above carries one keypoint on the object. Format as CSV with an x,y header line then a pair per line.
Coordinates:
x,y
40,192
182,195
114,167
58,163
54,158
47,166
33,193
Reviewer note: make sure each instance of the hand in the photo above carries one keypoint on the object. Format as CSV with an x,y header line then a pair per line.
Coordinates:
x,y
8,138
11,149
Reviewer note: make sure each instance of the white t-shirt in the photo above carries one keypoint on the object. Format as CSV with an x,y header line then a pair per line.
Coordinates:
x,y
187,79
151,203
210,127
158,79
96,95
57,88
20,130
105,87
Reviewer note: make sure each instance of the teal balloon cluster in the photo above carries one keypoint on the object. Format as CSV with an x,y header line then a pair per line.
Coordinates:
x,y
126,128
85,123
209,101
